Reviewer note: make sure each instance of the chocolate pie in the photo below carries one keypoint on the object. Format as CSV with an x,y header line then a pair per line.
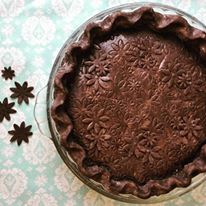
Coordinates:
x,y
130,102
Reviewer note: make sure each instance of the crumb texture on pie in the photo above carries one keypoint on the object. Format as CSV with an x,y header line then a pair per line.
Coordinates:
x,y
129,102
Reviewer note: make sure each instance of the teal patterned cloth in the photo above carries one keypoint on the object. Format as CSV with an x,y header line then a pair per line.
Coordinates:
x,y
31,34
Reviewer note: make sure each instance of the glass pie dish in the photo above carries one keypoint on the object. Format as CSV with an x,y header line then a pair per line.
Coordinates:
x,y
197,180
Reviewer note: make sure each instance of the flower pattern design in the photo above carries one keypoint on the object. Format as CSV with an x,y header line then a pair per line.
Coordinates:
x,y
119,50
98,142
167,76
94,73
147,52
79,107
184,79
20,133
82,76
6,109
177,75
145,61
125,121
8,73
134,85
176,123
98,82
98,63
96,119
148,44
146,149
22,92
119,87
191,127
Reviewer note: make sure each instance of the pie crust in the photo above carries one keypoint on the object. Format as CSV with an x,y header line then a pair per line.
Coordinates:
x,y
129,102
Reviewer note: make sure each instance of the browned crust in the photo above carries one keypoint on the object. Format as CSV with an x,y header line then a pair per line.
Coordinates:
x,y
174,24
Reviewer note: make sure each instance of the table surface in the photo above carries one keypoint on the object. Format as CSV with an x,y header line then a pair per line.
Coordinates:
x,y
31,34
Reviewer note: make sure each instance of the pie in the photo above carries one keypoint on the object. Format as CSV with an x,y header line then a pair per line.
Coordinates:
x,y
130,102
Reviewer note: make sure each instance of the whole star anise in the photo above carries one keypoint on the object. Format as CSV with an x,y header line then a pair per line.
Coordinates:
x,y
6,109
8,73
20,133
22,92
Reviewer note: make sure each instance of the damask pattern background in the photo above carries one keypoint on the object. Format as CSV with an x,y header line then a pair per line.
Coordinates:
x,y
31,34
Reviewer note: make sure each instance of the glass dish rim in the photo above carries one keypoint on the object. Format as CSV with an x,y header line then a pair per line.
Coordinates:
x,y
68,161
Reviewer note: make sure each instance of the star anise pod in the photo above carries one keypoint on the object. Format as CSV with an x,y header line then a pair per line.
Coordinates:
x,y
20,133
22,92
6,109
8,73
